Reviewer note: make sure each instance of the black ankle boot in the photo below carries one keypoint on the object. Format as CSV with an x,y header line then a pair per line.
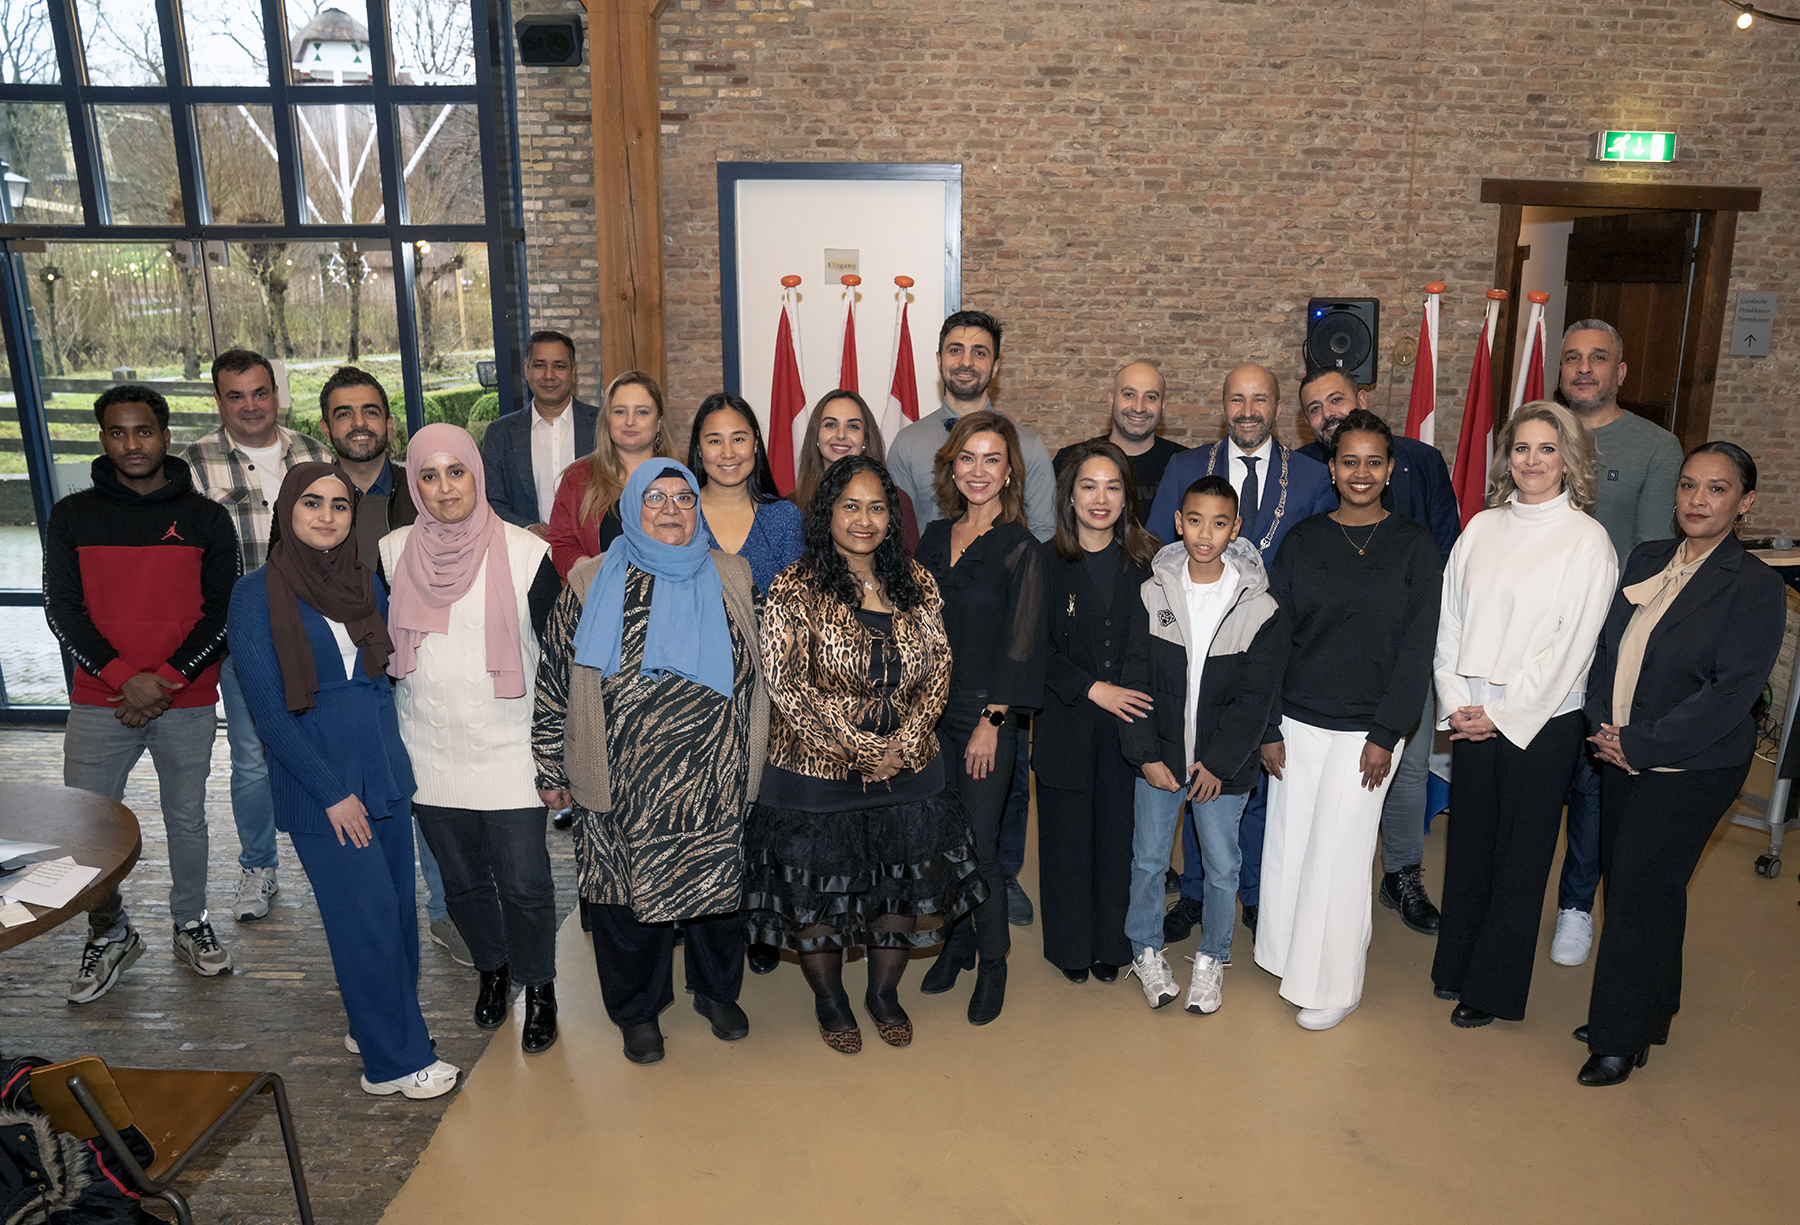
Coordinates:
x,y
495,995
1602,1070
540,1019
957,955
989,996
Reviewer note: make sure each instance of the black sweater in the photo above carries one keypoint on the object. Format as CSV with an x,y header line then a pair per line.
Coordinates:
x,y
994,612
1362,629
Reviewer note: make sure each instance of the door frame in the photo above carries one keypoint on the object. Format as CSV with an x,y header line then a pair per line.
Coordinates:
x,y
1718,208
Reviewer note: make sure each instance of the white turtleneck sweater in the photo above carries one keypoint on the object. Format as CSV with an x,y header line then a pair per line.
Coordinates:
x,y
1526,592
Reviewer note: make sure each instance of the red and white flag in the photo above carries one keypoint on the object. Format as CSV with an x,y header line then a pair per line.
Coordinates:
x,y
847,379
1421,405
787,398
1475,441
1529,385
902,408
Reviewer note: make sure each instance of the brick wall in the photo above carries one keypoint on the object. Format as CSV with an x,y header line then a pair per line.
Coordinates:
x,y
1147,177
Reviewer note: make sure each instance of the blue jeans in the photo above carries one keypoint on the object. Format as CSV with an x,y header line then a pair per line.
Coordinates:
x,y
1250,848
252,800
435,906
1018,809
1157,813
1581,861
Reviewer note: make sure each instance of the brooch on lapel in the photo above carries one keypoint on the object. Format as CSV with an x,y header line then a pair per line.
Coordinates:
x,y
1071,604
1165,618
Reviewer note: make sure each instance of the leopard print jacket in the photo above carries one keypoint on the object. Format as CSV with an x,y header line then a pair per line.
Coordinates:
x,y
816,658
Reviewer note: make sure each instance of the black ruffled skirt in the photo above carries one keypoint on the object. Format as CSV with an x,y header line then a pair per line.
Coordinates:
x,y
849,871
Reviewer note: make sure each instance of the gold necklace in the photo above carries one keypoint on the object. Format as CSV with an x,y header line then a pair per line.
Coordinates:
x,y
1364,547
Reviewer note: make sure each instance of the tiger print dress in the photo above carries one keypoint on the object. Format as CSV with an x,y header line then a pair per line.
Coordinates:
x,y
678,754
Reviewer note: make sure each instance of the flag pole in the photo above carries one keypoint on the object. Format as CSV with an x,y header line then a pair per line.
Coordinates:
x,y
847,358
1534,350
1421,404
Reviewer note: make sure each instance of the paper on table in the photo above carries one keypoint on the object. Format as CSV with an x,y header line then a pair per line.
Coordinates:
x,y
14,915
11,849
53,884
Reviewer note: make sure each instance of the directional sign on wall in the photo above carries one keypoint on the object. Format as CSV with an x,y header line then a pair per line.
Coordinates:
x,y
1750,329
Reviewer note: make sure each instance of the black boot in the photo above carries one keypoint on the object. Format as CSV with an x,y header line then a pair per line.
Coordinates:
x,y
763,958
1180,920
1404,891
989,996
957,955
1602,1070
495,995
540,1019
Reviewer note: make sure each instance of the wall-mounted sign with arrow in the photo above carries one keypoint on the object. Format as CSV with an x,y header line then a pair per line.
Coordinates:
x,y
1754,321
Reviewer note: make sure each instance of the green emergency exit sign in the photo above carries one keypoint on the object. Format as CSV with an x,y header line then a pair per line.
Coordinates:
x,y
1634,147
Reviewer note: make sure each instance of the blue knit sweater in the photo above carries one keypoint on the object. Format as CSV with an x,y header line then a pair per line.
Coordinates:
x,y
349,744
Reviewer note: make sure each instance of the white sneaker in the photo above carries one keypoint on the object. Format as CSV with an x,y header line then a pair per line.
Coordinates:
x,y
1323,1018
434,1081
445,935
1152,969
254,889
1574,937
196,945
350,1045
102,962
1207,992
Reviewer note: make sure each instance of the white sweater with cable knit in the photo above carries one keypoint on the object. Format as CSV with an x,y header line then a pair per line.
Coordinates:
x,y
1526,592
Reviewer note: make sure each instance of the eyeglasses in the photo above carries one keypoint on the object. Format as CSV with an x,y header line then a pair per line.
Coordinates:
x,y
655,498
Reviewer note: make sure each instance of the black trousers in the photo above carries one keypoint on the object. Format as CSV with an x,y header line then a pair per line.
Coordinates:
x,y
636,961
1653,828
1084,862
986,801
1505,811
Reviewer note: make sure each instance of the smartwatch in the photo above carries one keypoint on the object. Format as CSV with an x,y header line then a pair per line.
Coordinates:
x,y
996,717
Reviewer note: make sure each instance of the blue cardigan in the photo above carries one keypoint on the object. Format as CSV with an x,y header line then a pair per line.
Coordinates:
x,y
349,744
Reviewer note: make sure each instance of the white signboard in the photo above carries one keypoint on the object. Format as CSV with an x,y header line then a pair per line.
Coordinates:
x,y
1750,329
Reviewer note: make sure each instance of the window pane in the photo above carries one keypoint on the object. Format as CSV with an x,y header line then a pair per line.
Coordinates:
x,y
456,324
243,174
434,43
29,657
440,153
342,170
138,155
329,41
27,50
34,143
122,42
225,42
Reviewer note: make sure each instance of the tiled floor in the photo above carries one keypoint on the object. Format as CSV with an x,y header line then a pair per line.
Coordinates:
x,y
278,1011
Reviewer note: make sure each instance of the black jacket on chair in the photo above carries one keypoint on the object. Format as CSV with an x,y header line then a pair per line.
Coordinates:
x,y
1087,642
1704,665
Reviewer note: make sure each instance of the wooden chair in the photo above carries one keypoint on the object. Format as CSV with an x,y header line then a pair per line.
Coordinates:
x,y
179,1112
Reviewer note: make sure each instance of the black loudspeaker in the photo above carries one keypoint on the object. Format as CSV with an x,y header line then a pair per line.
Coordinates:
x,y
549,42
1345,333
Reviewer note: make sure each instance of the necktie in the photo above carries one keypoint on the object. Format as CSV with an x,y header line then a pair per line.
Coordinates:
x,y
1247,495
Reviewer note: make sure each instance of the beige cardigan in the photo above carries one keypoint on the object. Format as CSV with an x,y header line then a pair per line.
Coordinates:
x,y
584,732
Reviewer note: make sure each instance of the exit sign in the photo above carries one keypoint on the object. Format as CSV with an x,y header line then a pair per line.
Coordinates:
x,y
1634,147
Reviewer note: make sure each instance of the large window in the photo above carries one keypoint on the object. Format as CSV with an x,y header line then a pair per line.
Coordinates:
x,y
324,181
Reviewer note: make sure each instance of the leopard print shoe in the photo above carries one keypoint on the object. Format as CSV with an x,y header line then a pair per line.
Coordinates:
x,y
844,1041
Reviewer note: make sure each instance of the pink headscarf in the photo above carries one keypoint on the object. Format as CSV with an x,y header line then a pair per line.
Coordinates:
x,y
438,566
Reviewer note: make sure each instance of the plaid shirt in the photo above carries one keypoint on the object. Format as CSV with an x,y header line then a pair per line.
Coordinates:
x,y
222,473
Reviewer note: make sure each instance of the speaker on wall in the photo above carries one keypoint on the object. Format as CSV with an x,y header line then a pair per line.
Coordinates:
x,y
549,41
1344,332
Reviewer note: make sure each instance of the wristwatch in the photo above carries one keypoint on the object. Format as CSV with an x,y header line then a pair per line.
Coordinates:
x,y
996,717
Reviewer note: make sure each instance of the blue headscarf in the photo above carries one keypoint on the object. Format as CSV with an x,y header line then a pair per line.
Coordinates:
x,y
688,634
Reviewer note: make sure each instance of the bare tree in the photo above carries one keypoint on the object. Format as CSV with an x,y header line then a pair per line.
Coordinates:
x,y
27,52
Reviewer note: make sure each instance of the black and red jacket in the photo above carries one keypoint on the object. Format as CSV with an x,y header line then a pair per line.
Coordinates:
x,y
140,583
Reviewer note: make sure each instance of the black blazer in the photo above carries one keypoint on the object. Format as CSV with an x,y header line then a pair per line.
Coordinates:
x,y
1704,665
1087,642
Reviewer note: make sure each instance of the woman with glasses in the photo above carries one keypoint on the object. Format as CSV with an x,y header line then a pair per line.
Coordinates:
x,y
652,720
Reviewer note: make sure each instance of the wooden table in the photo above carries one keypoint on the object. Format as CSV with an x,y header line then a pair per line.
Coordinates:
x,y
93,829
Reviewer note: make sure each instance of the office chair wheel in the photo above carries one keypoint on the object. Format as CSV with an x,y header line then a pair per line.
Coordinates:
x,y
1768,865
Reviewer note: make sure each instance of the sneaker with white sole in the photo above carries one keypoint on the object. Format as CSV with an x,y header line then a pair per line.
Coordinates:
x,y
254,889
200,950
446,937
1154,975
1574,937
102,961
1207,992
434,1081
1323,1018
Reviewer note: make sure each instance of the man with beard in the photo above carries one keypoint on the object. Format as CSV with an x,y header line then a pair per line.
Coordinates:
x,y
1277,487
1637,466
1418,488
353,407
138,572
1138,391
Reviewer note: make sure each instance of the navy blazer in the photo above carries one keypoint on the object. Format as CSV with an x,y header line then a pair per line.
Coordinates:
x,y
1309,492
1419,488
1704,665
506,454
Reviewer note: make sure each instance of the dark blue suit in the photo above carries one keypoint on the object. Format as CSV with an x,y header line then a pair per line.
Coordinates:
x,y
1307,492
506,454
1419,489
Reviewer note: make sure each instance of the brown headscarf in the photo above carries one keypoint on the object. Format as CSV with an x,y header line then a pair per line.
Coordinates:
x,y
332,581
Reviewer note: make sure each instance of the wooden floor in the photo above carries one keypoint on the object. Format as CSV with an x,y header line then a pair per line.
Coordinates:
x,y
1081,1105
